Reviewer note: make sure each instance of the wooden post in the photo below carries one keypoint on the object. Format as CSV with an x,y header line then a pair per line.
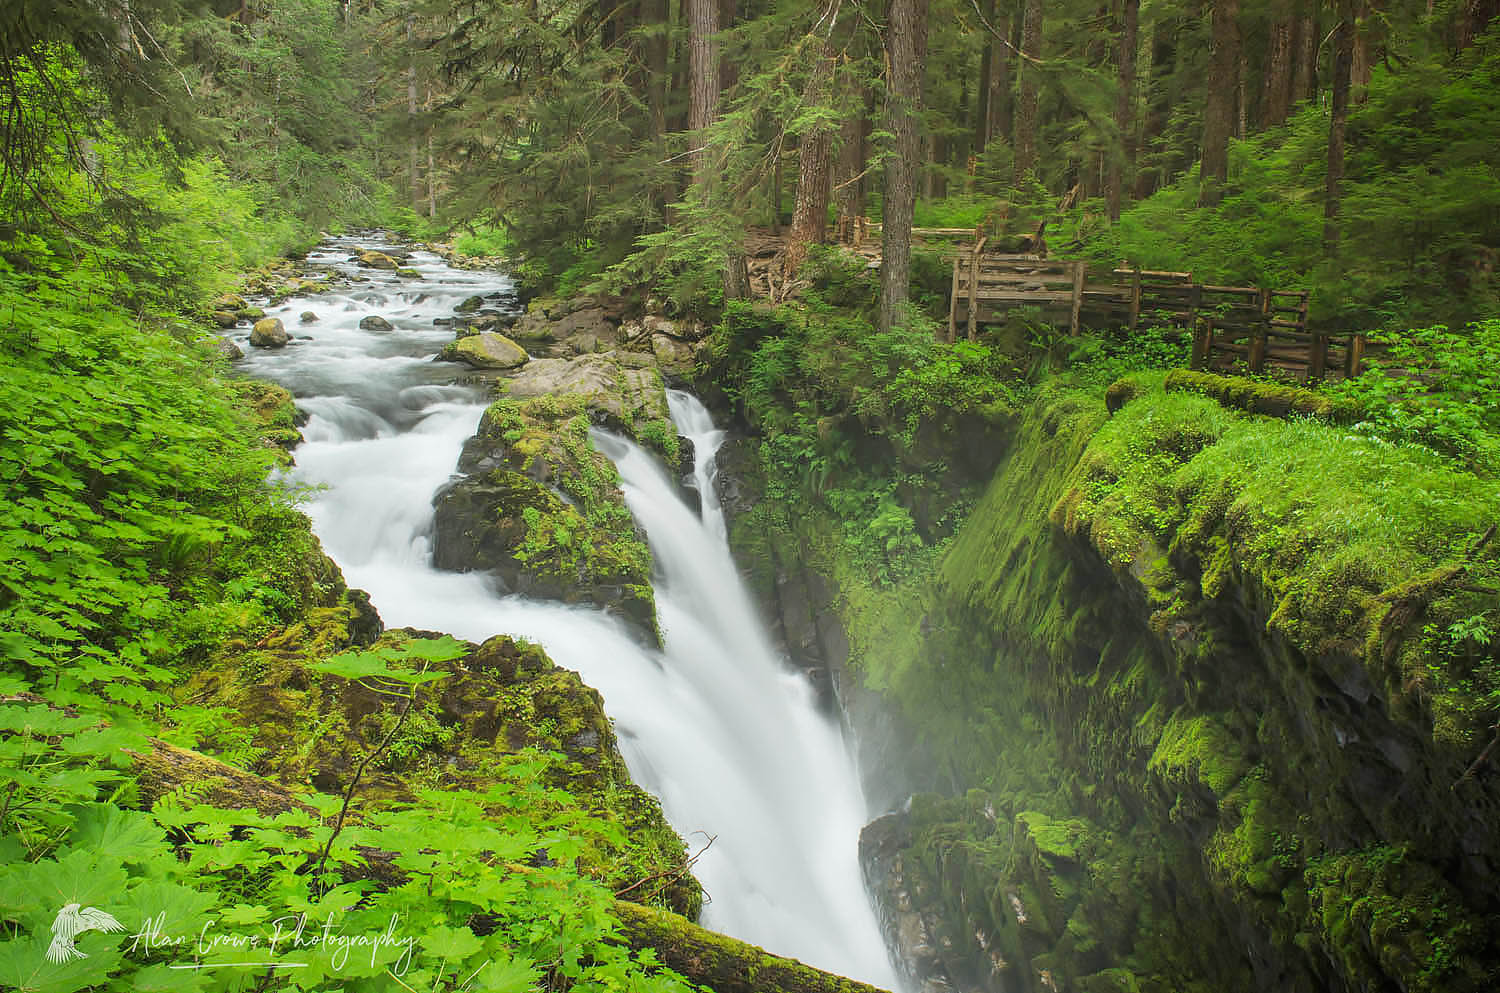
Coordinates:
x,y
1135,299
1356,355
1259,332
1195,300
974,290
1079,269
1318,361
1203,341
953,302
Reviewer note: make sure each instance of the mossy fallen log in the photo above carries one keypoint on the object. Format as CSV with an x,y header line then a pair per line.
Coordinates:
x,y
726,964
717,961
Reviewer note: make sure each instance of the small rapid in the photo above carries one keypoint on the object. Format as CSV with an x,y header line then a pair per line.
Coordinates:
x,y
715,724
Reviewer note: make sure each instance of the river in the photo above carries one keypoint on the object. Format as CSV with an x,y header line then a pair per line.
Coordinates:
x,y
716,724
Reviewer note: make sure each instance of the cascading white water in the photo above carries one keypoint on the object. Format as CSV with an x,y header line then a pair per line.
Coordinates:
x,y
716,725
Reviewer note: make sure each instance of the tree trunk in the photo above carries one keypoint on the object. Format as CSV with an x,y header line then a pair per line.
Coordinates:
x,y
1343,64
814,169
1473,18
1121,156
1305,72
703,76
1000,81
1276,93
729,72
1026,106
411,119
431,166
1360,67
906,44
1218,111
849,189
982,91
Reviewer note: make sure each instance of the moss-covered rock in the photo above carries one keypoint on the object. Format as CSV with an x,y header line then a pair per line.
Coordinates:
x,y
378,260
486,350
542,511
269,332
501,698
273,409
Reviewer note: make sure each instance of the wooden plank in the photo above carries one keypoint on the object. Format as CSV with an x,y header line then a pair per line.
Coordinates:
x,y
1315,367
1135,300
1079,271
974,288
953,305
1035,296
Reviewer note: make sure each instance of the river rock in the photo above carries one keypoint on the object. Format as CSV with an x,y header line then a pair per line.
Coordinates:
x,y
470,305
375,322
269,332
377,260
486,350
225,318
226,348
673,355
230,302
308,317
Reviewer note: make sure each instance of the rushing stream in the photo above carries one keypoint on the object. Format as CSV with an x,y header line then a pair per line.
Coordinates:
x,y
715,725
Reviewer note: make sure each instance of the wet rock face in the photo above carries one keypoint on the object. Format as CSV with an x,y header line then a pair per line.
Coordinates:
x,y
486,350
919,956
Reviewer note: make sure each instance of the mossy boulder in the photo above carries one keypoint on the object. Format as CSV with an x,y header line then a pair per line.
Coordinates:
x,y
308,317
374,322
274,411
618,392
499,699
378,260
542,511
470,305
486,350
269,332
225,318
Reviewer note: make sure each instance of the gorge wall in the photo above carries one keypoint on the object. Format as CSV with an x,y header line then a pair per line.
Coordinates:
x,y
1167,710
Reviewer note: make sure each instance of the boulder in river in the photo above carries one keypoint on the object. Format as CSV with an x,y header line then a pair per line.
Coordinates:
x,y
470,306
225,318
541,511
377,260
269,332
375,322
486,350
226,348
308,317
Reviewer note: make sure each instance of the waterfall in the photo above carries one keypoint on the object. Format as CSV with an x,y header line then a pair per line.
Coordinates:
x,y
715,724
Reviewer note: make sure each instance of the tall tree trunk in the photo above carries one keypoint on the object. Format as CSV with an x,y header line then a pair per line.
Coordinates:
x,y
1305,54
1360,67
1343,64
849,189
729,72
1121,157
982,93
999,85
431,165
655,15
1218,110
1276,93
703,78
1242,97
1026,106
1473,18
411,118
906,44
814,168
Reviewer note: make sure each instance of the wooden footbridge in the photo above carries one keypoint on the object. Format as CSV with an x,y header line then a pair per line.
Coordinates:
x,y
1231,325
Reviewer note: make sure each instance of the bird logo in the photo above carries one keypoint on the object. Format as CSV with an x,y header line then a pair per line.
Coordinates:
x,y
70,923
